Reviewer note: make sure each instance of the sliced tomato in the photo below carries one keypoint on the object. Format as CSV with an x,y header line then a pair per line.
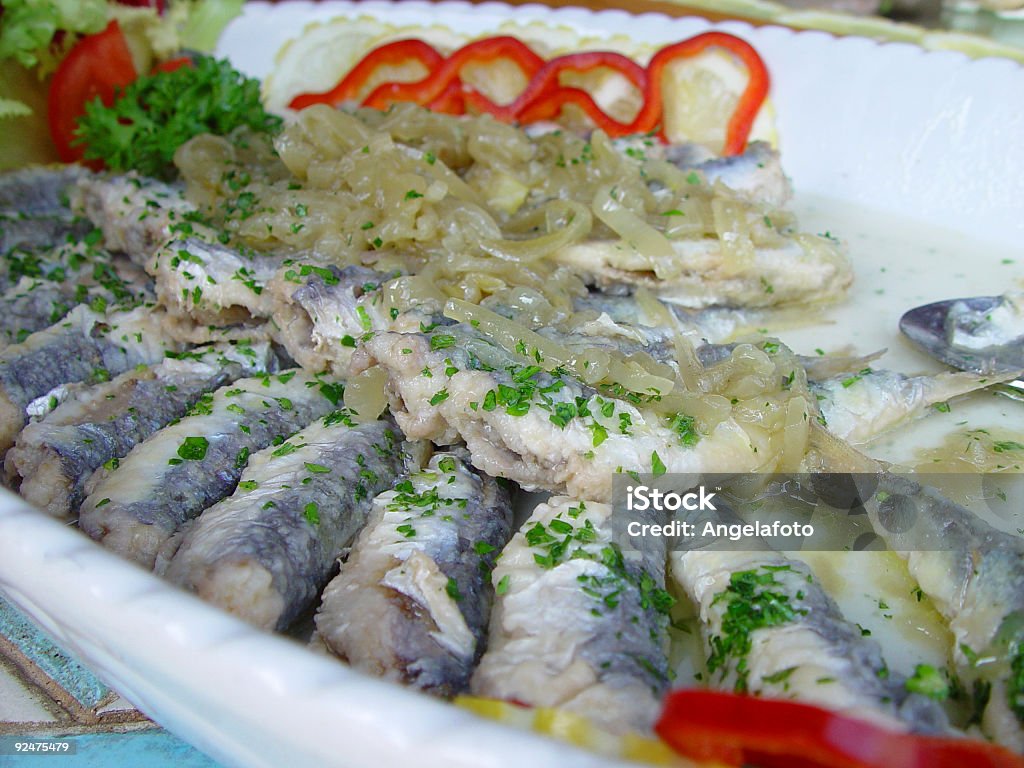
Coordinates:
x,y
736,730
95,67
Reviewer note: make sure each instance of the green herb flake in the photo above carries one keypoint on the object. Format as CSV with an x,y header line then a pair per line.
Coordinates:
x,y
928,681
441,341
193,448
658,467
502,586
452,588
312,513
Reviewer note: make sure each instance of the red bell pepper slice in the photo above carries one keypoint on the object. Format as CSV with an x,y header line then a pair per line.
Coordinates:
x,y
96,67
548,105
771,733
753,96
433,85
396,52
544,93
452,100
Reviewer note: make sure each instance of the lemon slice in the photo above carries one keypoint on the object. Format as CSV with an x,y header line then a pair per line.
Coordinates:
x,y
317,59
699,96
500,81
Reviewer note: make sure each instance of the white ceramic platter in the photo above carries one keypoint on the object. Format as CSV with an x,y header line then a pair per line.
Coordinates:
x,y
934,140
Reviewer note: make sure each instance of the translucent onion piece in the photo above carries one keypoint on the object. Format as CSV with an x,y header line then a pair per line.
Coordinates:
x,y
795,434
566,222
365,395
630,227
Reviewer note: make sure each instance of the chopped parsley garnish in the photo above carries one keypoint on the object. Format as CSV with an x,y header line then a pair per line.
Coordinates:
x,y
1001,446
441,341
193,448
849,382
312,513
928,681
502,586
658,467
750,604
452,588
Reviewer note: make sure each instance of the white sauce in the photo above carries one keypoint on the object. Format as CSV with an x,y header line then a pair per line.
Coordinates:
x,y
900,264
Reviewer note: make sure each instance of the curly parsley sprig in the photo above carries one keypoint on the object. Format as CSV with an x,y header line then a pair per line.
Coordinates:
x,y
158,113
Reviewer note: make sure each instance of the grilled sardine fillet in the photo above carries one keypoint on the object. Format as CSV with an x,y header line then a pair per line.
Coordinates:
x,y
86,345
186,467
973,574
135,213
211,284
413,599
321,312
265,552
578,623
771,629
54,457
543,430
861,406
696,273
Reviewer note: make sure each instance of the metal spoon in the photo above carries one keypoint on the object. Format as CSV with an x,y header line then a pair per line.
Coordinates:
x,y
928,328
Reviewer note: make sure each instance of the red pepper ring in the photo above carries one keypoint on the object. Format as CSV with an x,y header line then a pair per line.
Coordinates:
x,y
433,85
548,105
545,82
774,733
396,52
749,104
452,100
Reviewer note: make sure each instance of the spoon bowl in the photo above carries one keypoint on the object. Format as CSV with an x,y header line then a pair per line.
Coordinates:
x,y
930,328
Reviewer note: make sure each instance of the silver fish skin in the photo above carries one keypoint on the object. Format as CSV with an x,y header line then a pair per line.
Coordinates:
x,y
84,345
804,648
29,234
578,623
972,572
40,190
527,425
864,405
713,324
135,213
210,284
53,458
188,466
413,599
265,552
756,173
321,312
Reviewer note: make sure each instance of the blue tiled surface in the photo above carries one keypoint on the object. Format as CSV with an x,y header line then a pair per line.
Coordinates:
x,y
154,748
103,745
56,663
